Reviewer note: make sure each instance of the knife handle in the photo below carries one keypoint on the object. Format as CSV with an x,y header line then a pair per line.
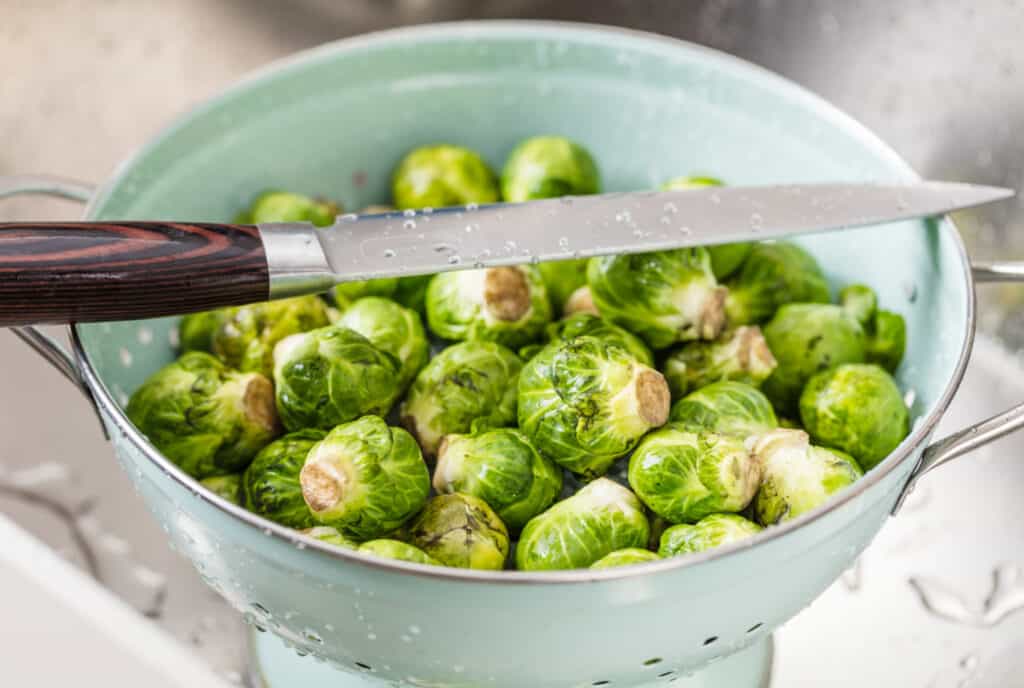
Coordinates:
x,y
60,272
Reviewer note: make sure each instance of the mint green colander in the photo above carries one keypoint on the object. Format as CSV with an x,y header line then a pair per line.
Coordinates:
x,y
334,121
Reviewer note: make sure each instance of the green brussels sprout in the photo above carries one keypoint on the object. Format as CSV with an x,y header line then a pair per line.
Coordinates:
x,y
284,206
860,302
442,175
508,305
347,293
203,416
270,485
725,258
573,534
396,549
393,329
563,278
502,468
468,385
330,536
332,375
225,486
725,408
548,167
856,408
196,330
580,301
461,531
798,477
711,531
887,340
772,275
805,339
585,402
663,297
741,355
625,557
684,476
248,334
580,324
365,478
411,292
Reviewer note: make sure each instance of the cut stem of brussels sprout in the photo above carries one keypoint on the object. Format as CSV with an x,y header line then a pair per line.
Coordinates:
x,y
506,293
646,395
741,355
580,301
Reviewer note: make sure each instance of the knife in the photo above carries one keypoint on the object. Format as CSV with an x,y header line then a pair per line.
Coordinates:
x,y
54,272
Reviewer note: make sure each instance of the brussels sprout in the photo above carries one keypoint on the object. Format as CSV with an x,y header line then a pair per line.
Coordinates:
x,y
548,167
396,549
562,278
283,206
741,355
196,330
798,476
711,531
393,329
599,519
625,557
461,531
684,476
725,408
203,416
270,485
365,478
580,301
664,297
330,376
502,468
772,275
442,175
226,486
856,408
725,258
860,302
508,305
411,292
472,384
347,293
585,402
246,338
580,324
807,338
887,340
330,535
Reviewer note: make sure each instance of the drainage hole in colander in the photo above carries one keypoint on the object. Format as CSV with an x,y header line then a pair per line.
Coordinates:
x,y
754,627
652,661
710,640
367,667
600,683
666,674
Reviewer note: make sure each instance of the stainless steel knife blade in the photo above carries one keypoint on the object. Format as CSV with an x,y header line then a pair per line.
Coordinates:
x,y
436,240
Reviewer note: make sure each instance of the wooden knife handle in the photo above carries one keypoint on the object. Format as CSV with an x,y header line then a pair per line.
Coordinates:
x,y
59,272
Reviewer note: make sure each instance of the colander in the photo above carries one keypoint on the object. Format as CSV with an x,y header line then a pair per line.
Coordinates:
x,y
334,121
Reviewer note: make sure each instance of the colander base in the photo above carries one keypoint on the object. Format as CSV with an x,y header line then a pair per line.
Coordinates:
x,y
272,664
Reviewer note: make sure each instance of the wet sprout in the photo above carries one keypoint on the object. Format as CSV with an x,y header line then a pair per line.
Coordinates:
x,y
711,531
203,416
393,329
741,355
885,331
585,402
576,532
725,258
461,531
225,486
625,557
508,305
563,278
468,385
798,477
284,206
332,375
580,324
365,478
196,330
663,297
270,485
548,167
502,468
684,476
442,175
773,274
396,549
725,408
856,408
347,293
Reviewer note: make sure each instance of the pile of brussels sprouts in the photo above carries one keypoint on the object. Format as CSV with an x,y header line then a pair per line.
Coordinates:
x,y
582,413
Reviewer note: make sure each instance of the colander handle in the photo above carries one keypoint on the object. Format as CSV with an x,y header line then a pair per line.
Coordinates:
x,y
44,345
978,435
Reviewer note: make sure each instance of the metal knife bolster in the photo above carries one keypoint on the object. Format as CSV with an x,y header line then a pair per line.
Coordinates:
x,y
296,261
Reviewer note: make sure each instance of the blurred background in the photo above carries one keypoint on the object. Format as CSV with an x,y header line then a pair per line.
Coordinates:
x,y
85,83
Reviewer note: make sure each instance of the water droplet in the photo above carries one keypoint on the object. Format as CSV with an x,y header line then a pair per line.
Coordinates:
x,y
566,200
428,210
909,398
715,198
756,221
510,246
409,224
472,227
126,357
349,217
1005,597
666,220
311,635
472,206
233,677
458,668
174,337
406,638
442,248
563,243
685,230
389,253
910,289
145,335
853,577
969,662
409,212
454,259
670,208
371,636
623,216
